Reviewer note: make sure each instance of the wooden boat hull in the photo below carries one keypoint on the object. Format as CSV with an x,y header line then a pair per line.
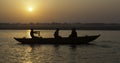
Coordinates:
x,y
65,40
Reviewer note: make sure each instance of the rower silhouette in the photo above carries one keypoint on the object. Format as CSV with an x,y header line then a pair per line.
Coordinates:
x,y
73,33
56,34
32,32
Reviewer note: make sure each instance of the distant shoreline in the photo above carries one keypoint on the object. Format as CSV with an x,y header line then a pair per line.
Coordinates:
x,y
63,26
61,29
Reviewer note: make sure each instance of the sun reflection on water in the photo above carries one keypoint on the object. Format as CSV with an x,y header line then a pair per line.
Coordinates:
x,y
27,55
28,62
28,33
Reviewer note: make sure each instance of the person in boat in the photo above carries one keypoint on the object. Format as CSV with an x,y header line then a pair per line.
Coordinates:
x,y
32,32
56,34
73,33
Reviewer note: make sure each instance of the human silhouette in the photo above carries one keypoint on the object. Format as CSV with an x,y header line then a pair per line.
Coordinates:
x,y
56,34
73,33
32,32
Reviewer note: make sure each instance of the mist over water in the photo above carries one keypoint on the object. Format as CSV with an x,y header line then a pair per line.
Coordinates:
x,y
105,49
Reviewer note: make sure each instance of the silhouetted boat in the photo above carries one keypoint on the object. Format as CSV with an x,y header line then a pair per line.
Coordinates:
x,y
65,40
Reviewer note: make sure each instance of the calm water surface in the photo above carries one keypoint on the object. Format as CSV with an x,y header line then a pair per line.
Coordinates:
x,y
103,50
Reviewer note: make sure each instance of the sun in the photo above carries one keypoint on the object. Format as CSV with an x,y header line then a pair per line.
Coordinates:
x,y
30,9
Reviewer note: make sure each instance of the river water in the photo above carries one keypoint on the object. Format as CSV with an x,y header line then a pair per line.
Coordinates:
x,y
105,49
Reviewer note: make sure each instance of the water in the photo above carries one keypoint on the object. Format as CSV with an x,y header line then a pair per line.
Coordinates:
x,y
103,50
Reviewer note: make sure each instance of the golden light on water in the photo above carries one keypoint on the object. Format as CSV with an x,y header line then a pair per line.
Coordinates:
x,y
28,33
28,62
27,56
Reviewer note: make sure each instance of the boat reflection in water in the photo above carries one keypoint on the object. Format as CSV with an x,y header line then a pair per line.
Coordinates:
x,y
47,53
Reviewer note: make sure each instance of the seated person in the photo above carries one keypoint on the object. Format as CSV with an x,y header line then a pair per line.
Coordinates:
x,y
56,34
73,33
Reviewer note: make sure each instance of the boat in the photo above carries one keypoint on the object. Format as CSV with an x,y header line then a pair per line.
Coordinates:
x,y
65,40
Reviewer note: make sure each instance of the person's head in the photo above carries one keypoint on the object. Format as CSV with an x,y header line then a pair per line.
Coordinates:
x,y
73,29
57,29
31,29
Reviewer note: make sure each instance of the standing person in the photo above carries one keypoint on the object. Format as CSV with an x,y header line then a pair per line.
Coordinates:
x,y
73,33
56,34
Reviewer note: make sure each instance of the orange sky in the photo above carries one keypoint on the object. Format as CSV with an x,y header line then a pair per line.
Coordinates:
x,y
106,11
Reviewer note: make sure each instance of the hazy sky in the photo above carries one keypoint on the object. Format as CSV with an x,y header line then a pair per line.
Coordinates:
x,y
84,11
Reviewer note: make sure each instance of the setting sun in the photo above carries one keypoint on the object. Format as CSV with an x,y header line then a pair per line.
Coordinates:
x,y
30,9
